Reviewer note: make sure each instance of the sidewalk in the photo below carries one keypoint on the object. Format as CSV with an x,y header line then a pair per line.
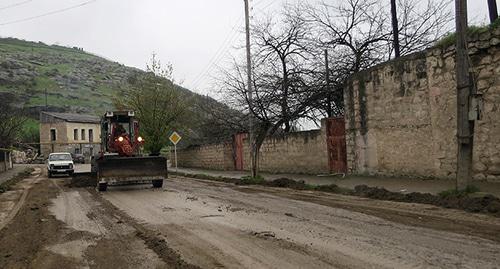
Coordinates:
x,y
403,185
7,175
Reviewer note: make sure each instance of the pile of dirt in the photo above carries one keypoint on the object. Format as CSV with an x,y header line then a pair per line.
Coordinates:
x,y
287,183
80,180
485,204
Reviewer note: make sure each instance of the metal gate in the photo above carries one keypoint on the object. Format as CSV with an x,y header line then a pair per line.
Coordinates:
x,y
238,151
336,144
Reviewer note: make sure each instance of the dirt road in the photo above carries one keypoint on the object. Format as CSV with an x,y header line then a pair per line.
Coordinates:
x,y
215,225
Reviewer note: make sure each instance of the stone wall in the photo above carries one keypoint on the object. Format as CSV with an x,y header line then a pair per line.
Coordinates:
x,y
299,152
401,115
214,156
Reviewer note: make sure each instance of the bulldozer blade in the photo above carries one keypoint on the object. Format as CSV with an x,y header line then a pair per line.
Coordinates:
x,y
83,179
121,170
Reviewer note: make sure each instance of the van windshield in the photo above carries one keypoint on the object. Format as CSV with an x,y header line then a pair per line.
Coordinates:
x,y
60,157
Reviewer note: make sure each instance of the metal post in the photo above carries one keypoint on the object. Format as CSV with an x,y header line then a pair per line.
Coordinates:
x,y
465,128
175,153
253,159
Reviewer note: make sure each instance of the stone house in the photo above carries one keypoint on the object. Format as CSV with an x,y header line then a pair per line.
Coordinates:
x,y
66,132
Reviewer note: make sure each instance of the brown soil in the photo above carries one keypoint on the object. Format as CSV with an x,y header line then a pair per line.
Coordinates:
x,y
23,240
420,215
487,204
35,238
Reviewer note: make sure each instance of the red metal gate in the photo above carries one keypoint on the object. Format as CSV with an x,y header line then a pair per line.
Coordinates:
x,y
336,144
238,151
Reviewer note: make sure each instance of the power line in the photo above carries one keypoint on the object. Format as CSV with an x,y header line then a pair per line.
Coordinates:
x,y
48,13
15,4
218,54
221,52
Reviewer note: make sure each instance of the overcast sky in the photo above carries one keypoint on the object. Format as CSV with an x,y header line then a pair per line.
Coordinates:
x,y
191,34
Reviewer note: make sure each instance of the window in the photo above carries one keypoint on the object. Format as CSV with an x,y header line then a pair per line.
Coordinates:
x,y
75,134
83,134
53,135
91,135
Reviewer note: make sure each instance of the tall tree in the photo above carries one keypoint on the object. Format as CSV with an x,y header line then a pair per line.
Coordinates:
x,y
160,106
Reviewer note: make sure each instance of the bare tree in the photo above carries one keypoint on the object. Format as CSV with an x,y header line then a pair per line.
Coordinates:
x,y
421,25
282,55
359,34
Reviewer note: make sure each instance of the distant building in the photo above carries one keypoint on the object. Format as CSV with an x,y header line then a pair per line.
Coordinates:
x,y
66,132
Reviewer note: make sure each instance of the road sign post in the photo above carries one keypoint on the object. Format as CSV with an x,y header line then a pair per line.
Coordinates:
x,y
175,138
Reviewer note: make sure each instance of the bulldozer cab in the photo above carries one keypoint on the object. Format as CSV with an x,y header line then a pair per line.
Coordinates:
x,y
119,124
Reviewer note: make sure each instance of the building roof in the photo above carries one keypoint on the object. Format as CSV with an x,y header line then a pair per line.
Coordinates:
x,y
70,117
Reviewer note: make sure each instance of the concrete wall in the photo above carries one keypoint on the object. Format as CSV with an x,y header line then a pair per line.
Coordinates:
x,y
401,115
300,152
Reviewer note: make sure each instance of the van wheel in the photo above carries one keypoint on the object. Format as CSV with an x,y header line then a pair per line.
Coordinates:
x,y
102,186
50,174
157,183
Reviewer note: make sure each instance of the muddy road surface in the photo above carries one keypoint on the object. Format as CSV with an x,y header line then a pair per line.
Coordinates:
x,y
196,223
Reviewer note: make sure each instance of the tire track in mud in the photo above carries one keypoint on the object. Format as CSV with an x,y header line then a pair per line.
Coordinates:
x,y
153,239
30,181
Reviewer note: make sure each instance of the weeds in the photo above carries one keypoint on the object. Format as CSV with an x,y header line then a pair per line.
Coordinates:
x,y
451,38
459,193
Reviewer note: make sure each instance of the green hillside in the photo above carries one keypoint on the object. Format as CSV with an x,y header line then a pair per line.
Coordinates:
x,y
72,80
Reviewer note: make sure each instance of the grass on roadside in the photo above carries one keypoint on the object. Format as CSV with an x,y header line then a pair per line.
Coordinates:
x,y
7,185
459,193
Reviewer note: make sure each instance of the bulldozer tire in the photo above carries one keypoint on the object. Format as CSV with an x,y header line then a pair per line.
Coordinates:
x,y
103,186
157,183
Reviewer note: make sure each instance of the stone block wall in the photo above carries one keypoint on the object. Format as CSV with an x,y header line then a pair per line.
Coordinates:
x,y
299,152
213,156
401,115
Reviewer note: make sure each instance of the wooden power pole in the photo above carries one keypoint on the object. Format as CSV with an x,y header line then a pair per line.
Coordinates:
x,y
465,89
493,11
253,157
395,29
328,90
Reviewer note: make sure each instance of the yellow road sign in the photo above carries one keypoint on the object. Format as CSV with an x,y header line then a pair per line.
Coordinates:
x,y
175,138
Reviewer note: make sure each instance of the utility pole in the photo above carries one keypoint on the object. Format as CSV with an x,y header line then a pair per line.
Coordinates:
x,y
493,11
465,89
395,29
253,157
46,103
328,91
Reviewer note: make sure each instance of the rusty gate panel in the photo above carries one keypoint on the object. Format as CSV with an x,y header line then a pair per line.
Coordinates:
x,y
238,151
336,145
